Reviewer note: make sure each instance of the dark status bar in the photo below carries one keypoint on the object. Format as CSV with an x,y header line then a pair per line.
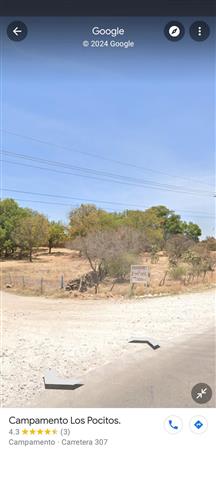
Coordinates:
x,y
108,8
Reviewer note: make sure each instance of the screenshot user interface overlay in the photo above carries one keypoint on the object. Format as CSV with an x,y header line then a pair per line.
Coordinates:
x,y
113,117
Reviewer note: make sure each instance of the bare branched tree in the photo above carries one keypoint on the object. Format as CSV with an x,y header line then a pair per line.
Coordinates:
x,y
102,247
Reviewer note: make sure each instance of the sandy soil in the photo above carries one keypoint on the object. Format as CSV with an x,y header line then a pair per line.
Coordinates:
x,y
75,336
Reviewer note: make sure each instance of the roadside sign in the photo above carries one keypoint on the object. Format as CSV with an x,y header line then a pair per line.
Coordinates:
x,y
139,274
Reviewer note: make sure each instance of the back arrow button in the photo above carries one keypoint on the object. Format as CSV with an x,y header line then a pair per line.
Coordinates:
x,y
17,31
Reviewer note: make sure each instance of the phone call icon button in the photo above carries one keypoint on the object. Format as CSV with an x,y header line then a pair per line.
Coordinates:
x,y
173,424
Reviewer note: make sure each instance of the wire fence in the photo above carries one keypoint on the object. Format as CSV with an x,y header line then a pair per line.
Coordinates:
x,y
43,284
40,284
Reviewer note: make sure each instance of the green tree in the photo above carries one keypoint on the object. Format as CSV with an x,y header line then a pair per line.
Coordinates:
x,y
158,218
88,218
56,235
193,231
173,225
161,211
148,223
10,213
30,232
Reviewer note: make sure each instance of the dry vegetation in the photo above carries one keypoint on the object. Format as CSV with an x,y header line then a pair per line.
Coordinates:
x,y
24,277
102,246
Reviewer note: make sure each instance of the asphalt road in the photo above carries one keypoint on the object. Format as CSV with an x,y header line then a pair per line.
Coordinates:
x,y
145,378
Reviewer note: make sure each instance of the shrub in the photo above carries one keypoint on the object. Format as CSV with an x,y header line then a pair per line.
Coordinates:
x,y
119,267
178,272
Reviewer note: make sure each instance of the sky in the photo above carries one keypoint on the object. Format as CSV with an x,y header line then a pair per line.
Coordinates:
x,y
144,116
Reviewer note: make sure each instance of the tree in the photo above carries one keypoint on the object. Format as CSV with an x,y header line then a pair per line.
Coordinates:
x,y
148,224
10,213
161,211
193,231
56,234
176,247
101,247
30,232
166,219
173,225
88,218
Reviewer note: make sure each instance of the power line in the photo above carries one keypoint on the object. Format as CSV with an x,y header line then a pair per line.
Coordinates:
x,y
42,201
75,198
98,201
100,179
100,175
69,205
128,164
75,205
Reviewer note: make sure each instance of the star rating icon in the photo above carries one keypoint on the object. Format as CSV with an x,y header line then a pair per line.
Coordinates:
x,y
39,431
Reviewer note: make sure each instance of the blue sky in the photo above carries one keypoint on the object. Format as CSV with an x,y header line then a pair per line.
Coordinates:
x,y
151,107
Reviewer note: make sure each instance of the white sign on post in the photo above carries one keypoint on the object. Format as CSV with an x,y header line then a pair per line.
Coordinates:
x,y
139,274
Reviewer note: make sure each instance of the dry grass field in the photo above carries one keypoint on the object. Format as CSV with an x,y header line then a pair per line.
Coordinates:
x,y
44,276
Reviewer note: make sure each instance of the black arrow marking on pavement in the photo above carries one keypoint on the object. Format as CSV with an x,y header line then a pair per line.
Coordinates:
x,y
151,343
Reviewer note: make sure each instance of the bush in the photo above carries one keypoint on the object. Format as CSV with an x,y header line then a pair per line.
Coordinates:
x,y
119,267
154,254
199,263
210,243
178,272
176,247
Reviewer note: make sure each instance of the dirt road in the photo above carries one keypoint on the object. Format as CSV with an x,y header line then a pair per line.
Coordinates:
x,y
90,339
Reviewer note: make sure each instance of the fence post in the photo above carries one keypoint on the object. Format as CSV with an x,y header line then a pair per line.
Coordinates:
x,y
131,289
62,282
41,285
